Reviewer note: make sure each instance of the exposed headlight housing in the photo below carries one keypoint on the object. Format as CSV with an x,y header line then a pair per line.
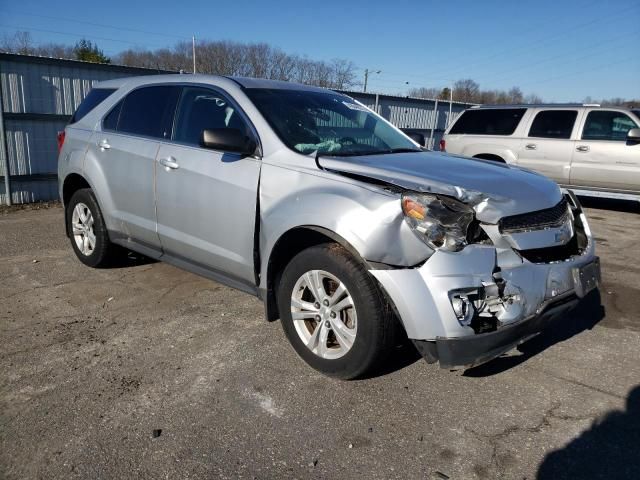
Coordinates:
x,y
441,222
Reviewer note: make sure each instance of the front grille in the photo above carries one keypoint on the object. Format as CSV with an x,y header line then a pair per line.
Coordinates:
x,y
538,220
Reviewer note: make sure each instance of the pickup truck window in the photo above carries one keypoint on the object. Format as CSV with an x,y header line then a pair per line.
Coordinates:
x,y
553,124
607,125
327,123
489,121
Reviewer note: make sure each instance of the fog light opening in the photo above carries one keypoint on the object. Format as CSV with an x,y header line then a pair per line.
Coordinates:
x,y
463,309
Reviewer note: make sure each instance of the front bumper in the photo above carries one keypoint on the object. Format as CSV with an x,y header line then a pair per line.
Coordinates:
x,y
531,297
477,349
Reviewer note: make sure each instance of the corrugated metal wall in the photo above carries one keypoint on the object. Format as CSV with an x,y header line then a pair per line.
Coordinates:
x,y
38,97
39,94
413,114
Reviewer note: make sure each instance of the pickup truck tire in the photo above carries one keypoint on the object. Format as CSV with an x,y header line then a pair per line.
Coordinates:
x,y
343,327
87,230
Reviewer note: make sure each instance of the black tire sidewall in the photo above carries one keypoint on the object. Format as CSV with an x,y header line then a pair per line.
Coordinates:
x,y
370,309
101,250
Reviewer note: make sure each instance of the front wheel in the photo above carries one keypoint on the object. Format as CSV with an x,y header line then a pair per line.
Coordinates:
x,y
333,313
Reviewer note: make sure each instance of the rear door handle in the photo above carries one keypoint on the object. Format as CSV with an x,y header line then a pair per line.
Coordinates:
x,y
530,146
582,148
104,144
169,163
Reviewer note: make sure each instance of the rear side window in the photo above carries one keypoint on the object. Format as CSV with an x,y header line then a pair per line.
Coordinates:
x,y
553,124
146,111
607,125
490,121
91,101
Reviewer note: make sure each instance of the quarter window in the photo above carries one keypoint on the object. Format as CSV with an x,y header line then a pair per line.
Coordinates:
x,y
607,125
96,97
201,109
146,111
553,124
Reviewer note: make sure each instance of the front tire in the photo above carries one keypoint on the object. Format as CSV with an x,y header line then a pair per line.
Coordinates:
x,y
87,230
333,312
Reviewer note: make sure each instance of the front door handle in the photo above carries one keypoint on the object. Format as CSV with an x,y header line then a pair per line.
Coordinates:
x,y
582,148
104,144
169,163
530,146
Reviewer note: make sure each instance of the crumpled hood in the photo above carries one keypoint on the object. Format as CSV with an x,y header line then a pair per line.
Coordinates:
x,y
494,189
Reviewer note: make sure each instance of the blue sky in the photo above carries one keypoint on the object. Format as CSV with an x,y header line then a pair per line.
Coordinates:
x,y
561,50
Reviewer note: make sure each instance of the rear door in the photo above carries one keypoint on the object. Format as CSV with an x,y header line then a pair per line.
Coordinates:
x,y
125,149
602,157
547,147
206,199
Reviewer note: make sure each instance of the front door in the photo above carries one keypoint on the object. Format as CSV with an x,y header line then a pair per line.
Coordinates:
x,y
206,199
603,158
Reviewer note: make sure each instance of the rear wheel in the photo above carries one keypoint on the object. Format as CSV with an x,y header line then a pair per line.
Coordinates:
x,y
87,230
333,312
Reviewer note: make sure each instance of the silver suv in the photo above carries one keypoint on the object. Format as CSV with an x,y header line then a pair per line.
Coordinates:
x,y
342,226
591,149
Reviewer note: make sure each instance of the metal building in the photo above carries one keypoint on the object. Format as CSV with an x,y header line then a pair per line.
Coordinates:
x,y
38,96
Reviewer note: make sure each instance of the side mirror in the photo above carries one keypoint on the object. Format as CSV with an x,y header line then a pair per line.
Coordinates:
x,y
228,140
633,135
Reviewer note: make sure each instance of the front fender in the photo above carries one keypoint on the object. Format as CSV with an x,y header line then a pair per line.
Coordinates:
x,y
368,218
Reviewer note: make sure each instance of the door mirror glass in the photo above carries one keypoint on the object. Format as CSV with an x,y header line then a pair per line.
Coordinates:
x,y
228,139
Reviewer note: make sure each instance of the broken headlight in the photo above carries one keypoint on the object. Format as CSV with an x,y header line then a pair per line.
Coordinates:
x,y
441,222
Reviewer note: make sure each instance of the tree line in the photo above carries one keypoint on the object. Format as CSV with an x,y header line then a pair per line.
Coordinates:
x,y
262,60
258,60
469,91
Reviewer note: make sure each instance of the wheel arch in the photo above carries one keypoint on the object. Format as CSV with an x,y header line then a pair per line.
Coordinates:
x,y
288,245
71,184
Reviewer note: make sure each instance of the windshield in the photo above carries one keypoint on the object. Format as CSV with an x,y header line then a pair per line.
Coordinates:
x,y
327,122
637,113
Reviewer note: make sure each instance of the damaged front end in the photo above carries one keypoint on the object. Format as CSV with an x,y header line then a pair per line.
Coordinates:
x,y
482,296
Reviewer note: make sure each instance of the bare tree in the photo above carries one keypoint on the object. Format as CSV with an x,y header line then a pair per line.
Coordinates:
x,y
424,92
466,90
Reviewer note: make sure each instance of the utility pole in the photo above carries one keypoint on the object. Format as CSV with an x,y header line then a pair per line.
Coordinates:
x,y
450,104
193,52
367,72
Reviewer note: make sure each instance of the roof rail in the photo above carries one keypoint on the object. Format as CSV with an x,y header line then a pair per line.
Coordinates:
x,y
534,105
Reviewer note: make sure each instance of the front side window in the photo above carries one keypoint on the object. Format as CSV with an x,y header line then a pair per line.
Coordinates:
x,y
327,122
607,125
553,124
489,121
200,109
146,111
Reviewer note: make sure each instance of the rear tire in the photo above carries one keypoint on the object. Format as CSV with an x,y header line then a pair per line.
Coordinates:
x,y
87,230
344,328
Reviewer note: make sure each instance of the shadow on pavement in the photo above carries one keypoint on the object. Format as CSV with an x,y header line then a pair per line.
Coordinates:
x,y
609,449
125,258
627,206
584,317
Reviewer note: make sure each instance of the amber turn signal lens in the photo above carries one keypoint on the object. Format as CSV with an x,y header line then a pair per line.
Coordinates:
x,y
413,209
